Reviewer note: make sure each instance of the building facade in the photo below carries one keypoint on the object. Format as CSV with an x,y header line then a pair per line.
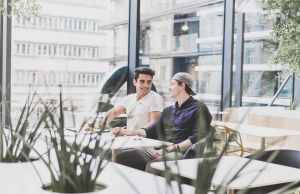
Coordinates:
x,y
61,46
187,35
73,43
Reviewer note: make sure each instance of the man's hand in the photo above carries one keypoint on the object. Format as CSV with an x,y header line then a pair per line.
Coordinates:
x,y
119,131
173,148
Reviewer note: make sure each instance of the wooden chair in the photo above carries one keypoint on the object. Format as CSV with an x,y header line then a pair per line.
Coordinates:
x,y
233,140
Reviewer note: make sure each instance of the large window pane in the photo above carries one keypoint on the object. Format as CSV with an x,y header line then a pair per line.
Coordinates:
x,y
183,36
261,78
72,43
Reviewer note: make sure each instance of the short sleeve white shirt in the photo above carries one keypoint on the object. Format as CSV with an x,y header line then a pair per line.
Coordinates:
x,y
138,110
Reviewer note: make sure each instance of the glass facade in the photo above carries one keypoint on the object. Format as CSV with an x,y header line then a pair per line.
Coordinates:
x,y
187,36
261,79
76,43
69,43
183,36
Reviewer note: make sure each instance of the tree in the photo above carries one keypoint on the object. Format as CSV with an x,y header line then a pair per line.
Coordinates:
x,y
21,7
286,32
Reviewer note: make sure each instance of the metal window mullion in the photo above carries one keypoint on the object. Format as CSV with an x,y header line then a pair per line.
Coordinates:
x,y
1,49
239,59
2,89
293,87
227,54
6,63
283,84
133,42
296,89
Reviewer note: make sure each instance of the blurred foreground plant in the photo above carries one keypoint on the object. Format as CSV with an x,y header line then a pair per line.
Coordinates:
x,y
75,161
16,142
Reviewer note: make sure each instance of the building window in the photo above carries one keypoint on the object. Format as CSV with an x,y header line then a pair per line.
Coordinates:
x,y
23,49
56,50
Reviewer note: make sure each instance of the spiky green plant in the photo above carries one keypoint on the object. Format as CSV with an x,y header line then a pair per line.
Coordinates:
x,y
74,163
16,141
207,168
208,165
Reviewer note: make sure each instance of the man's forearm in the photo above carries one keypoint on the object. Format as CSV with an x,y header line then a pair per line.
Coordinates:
x,y
185,144
123,131
153,118
139,132
113,113
109,116
182,146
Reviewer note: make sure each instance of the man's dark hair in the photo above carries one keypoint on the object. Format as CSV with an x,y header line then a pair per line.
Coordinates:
x,y
143,70
186,88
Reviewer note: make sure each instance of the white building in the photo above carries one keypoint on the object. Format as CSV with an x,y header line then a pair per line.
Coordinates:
x,y
62,45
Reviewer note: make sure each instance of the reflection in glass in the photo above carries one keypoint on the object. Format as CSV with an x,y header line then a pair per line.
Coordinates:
x,y
187,36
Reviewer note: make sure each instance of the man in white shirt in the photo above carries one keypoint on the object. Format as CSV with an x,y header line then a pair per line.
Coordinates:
x,y
144,107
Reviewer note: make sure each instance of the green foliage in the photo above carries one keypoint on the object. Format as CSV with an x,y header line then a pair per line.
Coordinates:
x,y
16,142
205,172
207,168
286,31
76,161
1,6
20,7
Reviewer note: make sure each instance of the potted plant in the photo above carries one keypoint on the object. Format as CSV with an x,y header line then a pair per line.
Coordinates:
x,y
16,143
208,165
75,162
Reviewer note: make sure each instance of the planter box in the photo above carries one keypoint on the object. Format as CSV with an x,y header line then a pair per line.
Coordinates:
x,y
20,178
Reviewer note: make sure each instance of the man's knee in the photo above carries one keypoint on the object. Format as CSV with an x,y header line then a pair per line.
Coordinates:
x,y
131,157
